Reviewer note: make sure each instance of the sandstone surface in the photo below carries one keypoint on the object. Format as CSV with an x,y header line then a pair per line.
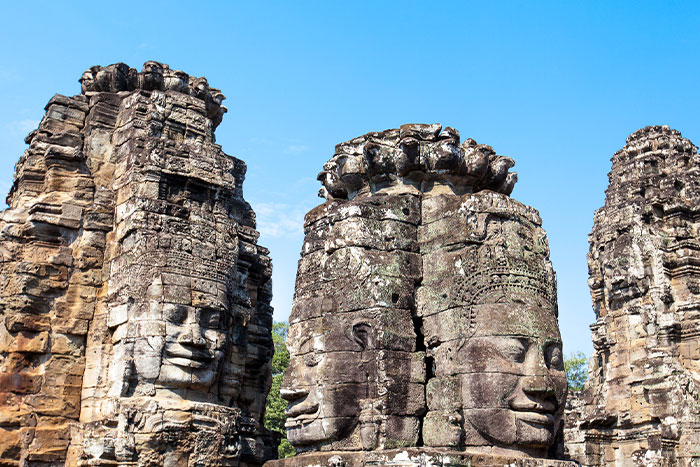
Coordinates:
x,y
425,309
135,309
640,405
413,457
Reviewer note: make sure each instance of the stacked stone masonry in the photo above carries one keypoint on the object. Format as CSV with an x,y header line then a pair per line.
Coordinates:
x,y
425,312
135,308
640,405
135,317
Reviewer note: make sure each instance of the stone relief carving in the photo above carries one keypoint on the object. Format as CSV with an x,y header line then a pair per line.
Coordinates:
x,y
640,403
425,308
136,302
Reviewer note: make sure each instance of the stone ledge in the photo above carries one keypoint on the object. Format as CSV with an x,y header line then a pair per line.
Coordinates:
x,y
413,457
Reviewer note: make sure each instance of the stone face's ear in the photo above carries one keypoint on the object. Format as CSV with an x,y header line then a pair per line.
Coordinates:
x,y
362,334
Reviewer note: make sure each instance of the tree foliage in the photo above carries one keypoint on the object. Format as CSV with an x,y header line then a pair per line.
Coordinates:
x,y
576,367
275,405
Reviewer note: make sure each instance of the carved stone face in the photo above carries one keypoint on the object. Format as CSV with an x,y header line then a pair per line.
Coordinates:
x,y
194,346
185,318
87,81
327,378
152,75
201,329
623,270
176,80
514,386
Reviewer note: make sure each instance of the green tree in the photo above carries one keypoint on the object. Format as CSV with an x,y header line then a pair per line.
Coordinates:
x,y
275,405
576,367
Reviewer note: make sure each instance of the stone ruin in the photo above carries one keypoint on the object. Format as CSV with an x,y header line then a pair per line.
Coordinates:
x,y
135,309
424,325
641,403
135,313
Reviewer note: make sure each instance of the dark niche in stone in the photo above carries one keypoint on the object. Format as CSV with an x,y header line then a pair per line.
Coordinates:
x,y
135,308
424,321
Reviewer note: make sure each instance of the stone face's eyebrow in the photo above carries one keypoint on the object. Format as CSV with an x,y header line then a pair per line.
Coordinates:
x,y
550,341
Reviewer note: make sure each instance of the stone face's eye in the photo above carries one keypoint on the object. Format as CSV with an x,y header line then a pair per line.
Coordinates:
x,y
210,319
310,359
307,352
513,349
176,314
554,357
306,346
361,333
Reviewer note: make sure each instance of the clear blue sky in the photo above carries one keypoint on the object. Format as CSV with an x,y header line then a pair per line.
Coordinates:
x,y
557,85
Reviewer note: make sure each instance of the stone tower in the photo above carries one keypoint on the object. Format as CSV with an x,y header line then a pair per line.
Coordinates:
x,y
134,300
640,405
424,321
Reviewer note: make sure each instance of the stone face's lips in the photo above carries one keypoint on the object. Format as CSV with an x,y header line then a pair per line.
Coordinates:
x,y
537,407
538,413
298,422
302,408
536,418
180,355
293,393
186,362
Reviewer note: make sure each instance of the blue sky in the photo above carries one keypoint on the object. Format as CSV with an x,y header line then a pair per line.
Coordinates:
x,y
558,86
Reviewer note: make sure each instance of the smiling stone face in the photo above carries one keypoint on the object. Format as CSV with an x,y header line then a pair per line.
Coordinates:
x,y
182,319
135,311
356,379
347,381
194,346
425,305
332,374
178,315
513,387
488,306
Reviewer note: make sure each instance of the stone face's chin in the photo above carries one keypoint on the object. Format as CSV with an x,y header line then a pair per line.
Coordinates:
x,y
514,428
303,424
308,431
535,423
498,426
535,429
302,432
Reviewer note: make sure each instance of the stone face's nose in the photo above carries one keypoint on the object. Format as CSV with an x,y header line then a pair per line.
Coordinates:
x,y
541,388
536,379
193,337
